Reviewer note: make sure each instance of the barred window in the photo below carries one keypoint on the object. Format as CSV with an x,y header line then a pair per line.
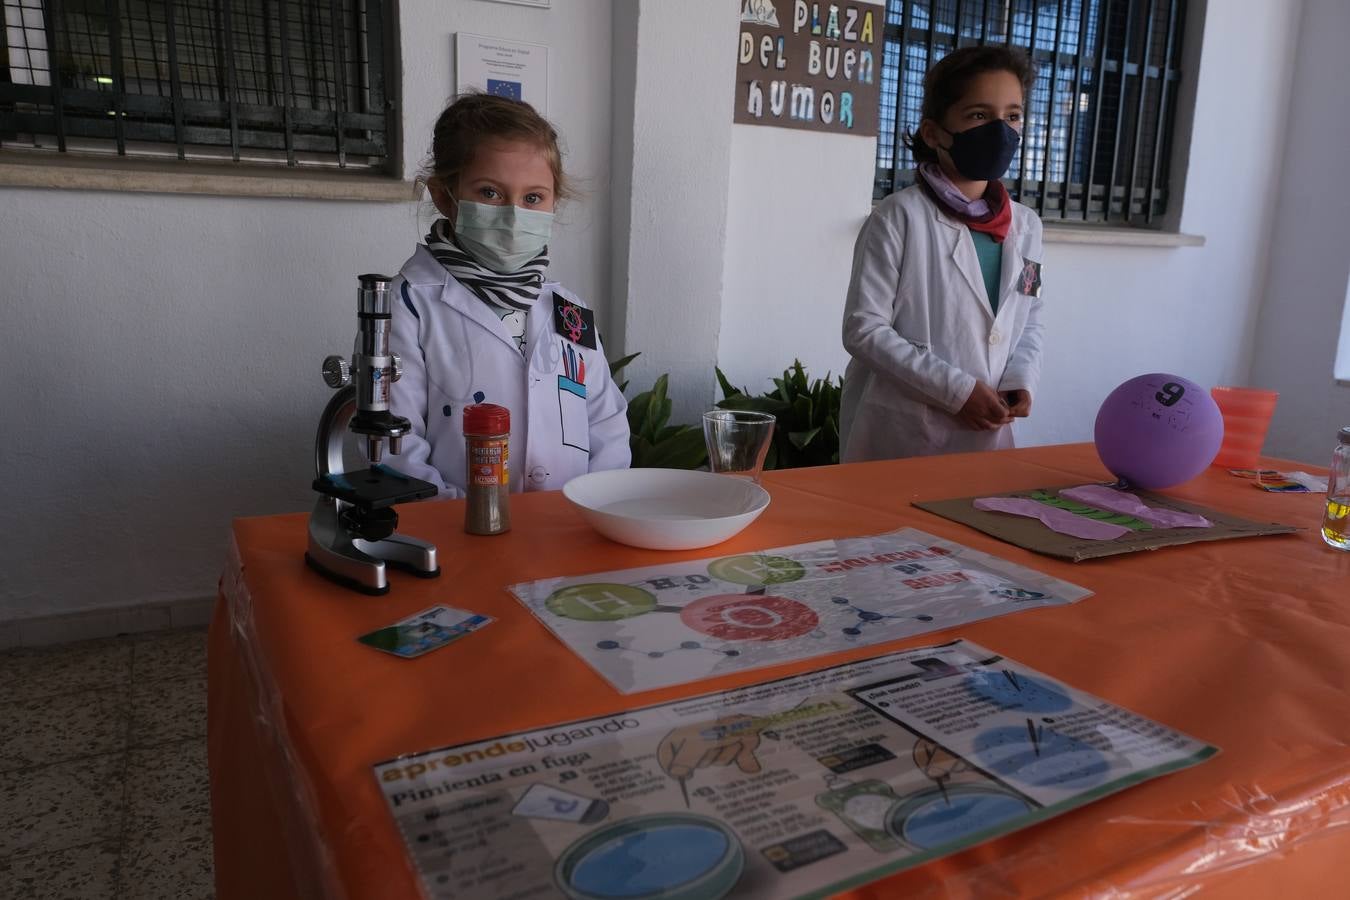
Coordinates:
x,y
1097,130
290,82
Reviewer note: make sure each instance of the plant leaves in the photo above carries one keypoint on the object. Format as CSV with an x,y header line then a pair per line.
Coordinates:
x,y
684,450
618,365
641,449
801,411
728,389
800,439
637,412
658,410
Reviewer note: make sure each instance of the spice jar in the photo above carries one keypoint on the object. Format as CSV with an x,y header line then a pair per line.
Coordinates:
x,y
487,433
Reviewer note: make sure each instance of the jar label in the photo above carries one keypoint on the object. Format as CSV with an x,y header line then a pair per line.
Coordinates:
x,y
489,463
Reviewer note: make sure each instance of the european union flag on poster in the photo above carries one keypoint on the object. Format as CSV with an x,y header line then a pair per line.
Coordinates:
x,y
504,88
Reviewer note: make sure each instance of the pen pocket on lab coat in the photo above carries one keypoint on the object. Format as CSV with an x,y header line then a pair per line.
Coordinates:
x,y
576,430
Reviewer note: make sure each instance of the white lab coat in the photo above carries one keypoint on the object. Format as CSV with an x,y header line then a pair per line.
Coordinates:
x,y
919,327
453,346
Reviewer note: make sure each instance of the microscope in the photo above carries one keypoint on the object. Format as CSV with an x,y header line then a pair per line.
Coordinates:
x,y
351,530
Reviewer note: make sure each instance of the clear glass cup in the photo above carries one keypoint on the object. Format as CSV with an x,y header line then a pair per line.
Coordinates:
x,y
738,441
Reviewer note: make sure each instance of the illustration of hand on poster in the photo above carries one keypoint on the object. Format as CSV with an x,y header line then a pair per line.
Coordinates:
x,y
721,742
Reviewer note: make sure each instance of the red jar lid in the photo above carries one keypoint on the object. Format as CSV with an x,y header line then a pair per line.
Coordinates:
x,y
487,419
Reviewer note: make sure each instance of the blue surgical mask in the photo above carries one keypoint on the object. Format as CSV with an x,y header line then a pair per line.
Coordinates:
x,y
502,238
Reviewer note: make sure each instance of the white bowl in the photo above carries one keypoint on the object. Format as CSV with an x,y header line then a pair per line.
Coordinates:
x,y
666,509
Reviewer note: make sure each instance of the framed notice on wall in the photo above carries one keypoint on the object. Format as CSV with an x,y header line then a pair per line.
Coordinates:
x,y
812,65
512,69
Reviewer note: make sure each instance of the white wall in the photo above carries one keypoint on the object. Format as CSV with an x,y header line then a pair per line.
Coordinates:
x,y
797,201
1306,304
671,204
161,353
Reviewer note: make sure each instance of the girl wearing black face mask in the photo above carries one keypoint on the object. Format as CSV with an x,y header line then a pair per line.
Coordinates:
x,y
943,310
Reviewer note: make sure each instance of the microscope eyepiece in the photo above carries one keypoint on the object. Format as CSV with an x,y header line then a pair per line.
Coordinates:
x,y
372,297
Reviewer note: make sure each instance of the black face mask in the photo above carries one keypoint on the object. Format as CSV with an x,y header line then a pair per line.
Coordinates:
x,y
984,152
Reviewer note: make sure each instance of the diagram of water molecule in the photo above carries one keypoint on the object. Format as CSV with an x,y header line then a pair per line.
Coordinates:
x,y
868,617
754,615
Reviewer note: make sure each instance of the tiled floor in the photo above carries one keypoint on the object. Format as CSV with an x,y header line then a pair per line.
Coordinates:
x,y
103,786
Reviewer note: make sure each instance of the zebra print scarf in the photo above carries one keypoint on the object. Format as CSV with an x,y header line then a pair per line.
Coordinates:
x,y
516,291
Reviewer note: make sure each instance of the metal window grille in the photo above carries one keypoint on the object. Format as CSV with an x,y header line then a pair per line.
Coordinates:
x,y
1097,128
299,82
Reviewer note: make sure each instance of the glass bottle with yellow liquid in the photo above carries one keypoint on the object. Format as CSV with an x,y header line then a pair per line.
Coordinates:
x,y
1336,522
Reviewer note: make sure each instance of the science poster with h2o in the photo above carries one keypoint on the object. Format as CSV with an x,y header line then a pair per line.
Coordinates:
x,y
664,625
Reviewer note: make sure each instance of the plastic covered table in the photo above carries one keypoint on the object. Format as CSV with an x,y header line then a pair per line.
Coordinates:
x,y
1244,644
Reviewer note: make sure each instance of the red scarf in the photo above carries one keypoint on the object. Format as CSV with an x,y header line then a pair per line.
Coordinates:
x,y
995,224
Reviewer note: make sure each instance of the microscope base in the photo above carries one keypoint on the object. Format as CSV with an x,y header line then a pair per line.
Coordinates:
x,y
361,564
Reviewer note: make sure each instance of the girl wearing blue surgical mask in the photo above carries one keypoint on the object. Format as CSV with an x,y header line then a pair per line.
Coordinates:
x,y
943,314
477,321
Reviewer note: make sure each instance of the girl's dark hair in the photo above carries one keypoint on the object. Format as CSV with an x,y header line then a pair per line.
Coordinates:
x,y
948,81
474,118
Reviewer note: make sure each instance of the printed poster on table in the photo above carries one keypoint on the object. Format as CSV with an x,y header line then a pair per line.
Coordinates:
x,y
664,625
811,65
799,787
499,66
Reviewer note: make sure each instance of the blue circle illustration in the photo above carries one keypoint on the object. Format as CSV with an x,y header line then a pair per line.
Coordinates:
x,y
932,819
1049,760
1013,690
675,856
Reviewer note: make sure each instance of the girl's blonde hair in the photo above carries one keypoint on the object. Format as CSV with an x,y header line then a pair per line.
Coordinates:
x,y
475,118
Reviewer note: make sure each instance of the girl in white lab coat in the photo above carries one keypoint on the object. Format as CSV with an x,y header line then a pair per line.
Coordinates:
x,y
943,311
476,321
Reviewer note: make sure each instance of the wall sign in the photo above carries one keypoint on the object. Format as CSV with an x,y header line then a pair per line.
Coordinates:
x,y
812,65
499,66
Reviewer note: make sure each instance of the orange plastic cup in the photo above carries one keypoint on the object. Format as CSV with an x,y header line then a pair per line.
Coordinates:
x,y
1246,419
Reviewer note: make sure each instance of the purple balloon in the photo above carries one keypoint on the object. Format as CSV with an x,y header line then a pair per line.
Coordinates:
x,y
1158,430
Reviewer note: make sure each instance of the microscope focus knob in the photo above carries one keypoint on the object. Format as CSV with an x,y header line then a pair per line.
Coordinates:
x,y
337,372
396,363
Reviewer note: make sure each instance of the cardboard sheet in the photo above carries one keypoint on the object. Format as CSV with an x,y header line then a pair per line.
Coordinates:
x,y
1032,535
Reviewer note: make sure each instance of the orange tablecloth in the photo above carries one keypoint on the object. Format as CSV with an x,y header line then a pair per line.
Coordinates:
x,y
1244,644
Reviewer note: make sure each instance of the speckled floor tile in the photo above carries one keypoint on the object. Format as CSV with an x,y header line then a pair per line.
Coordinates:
x,y
77,872
167,849
33,673
177,867
64,805
171,654
54,729
172,710
168,791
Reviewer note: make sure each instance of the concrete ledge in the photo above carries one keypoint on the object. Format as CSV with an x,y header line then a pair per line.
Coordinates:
x,y
1122,237
156,176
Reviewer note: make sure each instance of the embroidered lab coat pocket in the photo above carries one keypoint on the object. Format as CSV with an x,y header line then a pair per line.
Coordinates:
x,y
576,428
